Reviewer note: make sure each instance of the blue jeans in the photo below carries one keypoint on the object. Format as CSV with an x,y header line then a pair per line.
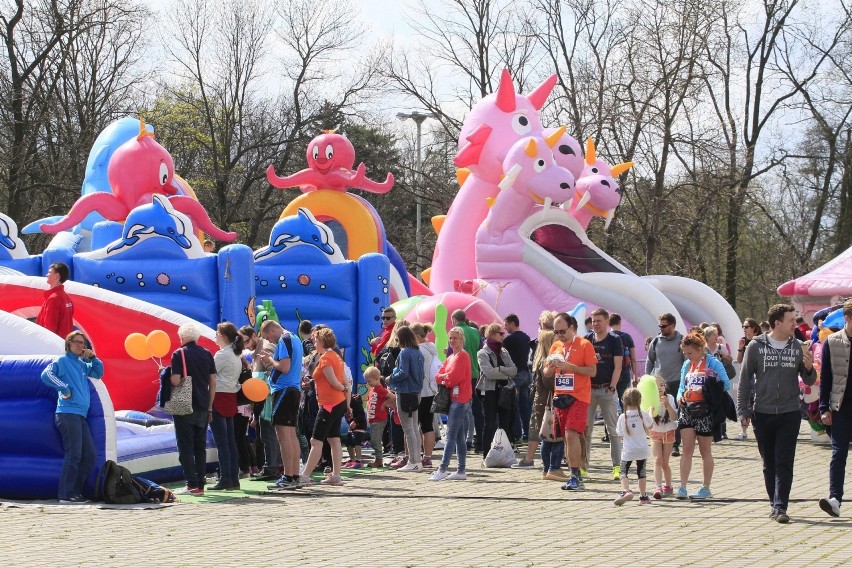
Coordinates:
x,y
80,453
551,455
191,437
456,441
523,405
841,431
226,445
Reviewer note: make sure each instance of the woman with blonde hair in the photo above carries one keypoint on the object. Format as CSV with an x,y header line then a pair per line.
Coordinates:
x,y
455,374
542,390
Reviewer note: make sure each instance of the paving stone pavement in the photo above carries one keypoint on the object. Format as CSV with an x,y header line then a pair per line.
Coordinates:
x,y
496,518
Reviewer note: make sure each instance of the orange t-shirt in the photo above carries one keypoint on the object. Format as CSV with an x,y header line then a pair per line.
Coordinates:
x,y
581,352
326,394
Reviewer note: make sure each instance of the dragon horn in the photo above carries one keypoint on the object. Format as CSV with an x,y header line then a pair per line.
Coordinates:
x,y
531,149
505,100
590,152
553,139
539,95
619,169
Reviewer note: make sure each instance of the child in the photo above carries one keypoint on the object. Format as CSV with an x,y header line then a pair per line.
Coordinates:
x,y
632,428
662,440
378,402
357,420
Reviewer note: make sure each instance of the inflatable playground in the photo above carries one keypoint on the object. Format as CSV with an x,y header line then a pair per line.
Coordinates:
x,y
514,240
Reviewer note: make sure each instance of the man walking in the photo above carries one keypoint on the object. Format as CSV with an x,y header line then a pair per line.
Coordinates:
x,y
609,352
629,365
665,358
776,359
835,406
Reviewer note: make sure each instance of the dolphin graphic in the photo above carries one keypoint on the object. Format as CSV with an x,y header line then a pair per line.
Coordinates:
x,y
155,220
299,229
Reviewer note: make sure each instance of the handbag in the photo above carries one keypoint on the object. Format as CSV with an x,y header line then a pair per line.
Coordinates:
x,y
441,402
505,398
409,401
180,403
547,431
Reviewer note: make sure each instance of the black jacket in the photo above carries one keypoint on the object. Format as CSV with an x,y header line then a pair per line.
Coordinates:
x,y
721,407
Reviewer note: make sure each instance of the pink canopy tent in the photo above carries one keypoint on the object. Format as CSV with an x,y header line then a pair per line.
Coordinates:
x,y
824,286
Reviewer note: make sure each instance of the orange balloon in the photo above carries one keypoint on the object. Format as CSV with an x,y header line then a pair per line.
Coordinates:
x,y
159,343
256,390
136,346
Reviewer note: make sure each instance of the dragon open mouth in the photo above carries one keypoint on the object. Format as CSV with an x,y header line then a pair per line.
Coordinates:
x,y
566,246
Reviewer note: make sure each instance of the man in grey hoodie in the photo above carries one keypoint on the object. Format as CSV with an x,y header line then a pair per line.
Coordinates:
x,y
776,360
665,358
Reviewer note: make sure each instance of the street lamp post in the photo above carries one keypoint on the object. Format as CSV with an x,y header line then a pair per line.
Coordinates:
x,y
418,118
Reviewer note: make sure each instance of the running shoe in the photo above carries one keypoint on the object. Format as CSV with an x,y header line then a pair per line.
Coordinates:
x,y
644,500
616,472
658,493
702,493
523,464
573,484
457,476
623,498
279,484
681,493
426,462
333,480
830,506
668,491
74,500
438,475
411,467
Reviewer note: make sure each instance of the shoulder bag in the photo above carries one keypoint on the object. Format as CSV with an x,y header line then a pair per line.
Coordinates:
x,y
442,400
180,403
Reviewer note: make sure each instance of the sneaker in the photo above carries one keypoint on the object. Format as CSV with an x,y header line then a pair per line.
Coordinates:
x,y
439,475
741,437
623,498
616,472
333,480
439,445
426,462
74,500
675,452
279,484
668,491
681,493
183,491
782,517
573,484
584,474
523,464
220,486
196,491
773,514
644,500
458,476
357,465
830,506
411,467
399,462
305,480
348,464
702,493
658,493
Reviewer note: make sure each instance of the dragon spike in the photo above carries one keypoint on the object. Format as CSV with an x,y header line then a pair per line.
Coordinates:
x,y
583,200
490,201
505,100
531,149
609,215
438,223
461,175
425,275
539,95
619,169
553,139
590,152
143,132
331,131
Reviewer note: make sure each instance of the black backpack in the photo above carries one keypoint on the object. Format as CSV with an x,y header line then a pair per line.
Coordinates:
x,y
115,485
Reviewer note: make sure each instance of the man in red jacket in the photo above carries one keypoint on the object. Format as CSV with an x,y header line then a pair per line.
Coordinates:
x,y
57,311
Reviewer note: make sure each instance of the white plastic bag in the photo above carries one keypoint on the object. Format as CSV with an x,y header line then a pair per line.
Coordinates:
x,y
501,453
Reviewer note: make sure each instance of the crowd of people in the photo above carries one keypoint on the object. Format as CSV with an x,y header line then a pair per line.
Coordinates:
x,y
547,392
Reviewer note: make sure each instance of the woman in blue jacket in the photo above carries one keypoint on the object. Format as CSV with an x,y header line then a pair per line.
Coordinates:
x,y
695,422
407,380
69,375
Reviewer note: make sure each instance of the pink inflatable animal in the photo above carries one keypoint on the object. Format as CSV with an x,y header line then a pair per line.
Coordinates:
x,y
330,160
598,190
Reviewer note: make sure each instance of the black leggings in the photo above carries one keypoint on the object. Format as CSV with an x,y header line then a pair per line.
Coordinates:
x,y
425,416
640,468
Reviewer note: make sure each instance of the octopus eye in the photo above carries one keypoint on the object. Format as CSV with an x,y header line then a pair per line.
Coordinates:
x,y
329,152
316,152
164,173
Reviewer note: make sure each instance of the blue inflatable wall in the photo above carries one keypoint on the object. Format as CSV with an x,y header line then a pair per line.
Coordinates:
x,y
30,445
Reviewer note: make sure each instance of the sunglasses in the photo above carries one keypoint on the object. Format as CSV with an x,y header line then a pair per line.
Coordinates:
x,y
560,331
388,317
664,325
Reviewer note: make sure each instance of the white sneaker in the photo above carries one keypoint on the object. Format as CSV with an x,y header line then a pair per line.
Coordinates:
x,y
411,467
439,475
460,475
741,437
439,445
830,506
